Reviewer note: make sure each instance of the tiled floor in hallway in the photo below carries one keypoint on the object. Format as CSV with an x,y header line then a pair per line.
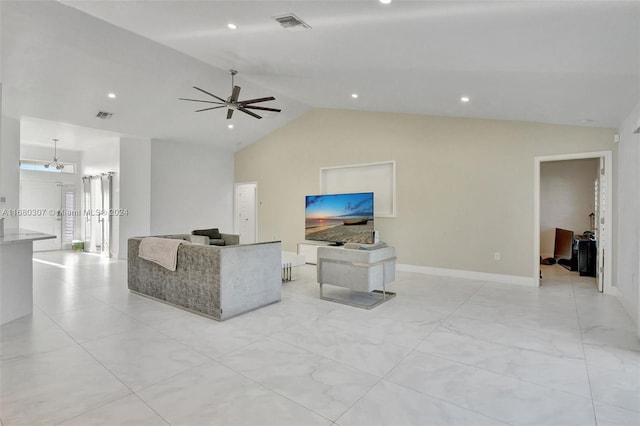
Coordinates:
x,y
445,351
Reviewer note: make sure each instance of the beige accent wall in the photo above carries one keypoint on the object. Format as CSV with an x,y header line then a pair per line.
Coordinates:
x,y
464,186
567,197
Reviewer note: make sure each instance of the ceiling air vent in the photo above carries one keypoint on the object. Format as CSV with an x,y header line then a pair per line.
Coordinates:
x,y
104,115
292,22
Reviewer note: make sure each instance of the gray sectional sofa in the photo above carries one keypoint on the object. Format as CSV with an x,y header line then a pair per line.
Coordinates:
x,y
217,281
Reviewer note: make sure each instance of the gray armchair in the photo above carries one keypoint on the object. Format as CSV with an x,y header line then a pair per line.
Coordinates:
x,y
362,271
229,239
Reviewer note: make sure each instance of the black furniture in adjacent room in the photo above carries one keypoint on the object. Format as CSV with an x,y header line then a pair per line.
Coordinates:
x,y
585,254
576,252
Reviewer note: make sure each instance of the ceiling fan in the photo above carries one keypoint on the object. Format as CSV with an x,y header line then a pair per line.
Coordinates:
x,y
232,102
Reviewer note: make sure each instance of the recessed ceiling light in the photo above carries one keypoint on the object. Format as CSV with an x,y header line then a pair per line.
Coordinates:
x,y
354,95
111,95
464,99
230,126
232,26
385,1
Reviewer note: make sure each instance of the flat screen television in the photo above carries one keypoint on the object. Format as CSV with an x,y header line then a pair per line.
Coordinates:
x,y
339,218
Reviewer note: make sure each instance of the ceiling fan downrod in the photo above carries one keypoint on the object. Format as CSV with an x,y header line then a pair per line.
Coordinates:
x,y
233,73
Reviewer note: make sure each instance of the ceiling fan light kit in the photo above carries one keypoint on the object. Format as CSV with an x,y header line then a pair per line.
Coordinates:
x,y
232,103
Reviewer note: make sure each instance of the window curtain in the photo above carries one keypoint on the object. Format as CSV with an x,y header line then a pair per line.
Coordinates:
x,y
97,191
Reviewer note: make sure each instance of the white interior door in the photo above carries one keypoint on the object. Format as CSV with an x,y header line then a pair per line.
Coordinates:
x,y
245,221
43,202
601,225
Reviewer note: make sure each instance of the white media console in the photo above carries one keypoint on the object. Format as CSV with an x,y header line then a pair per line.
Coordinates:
x,y
309,249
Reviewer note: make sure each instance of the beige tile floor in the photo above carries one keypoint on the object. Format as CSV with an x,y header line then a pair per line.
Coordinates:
x,y
445,351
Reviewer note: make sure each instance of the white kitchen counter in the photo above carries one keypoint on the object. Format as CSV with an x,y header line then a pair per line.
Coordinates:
x,y
16,272
13,236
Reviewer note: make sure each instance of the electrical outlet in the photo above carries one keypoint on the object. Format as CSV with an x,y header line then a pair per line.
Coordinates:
x,y
496,256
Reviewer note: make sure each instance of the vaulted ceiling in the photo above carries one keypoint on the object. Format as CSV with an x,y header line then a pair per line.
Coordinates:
x,y
567,62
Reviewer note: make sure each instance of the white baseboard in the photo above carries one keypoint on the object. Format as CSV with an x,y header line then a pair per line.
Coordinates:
x,y
471,275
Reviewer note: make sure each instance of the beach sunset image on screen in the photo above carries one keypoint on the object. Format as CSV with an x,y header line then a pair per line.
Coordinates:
x,y
340,218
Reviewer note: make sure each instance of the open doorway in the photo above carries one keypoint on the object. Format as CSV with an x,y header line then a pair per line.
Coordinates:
x,y
48,195
598,223
57,194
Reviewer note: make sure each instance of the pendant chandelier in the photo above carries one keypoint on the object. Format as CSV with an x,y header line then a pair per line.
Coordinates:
x,y
55,163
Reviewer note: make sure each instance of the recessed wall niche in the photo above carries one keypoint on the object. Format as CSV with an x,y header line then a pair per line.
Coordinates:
x,y
379,178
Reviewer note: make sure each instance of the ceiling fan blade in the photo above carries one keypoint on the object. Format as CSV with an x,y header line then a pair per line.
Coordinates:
x,y
210,94
246,111
235,94
261,108
198,100
229,113
253,101
207,109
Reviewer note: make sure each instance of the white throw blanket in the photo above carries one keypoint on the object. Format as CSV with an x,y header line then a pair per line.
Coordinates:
x,y
163,251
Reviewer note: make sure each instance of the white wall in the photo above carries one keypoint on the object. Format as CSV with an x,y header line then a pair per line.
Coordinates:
x,y
10,167
191,188
628,253
105,158
566,199
100,159
135,190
